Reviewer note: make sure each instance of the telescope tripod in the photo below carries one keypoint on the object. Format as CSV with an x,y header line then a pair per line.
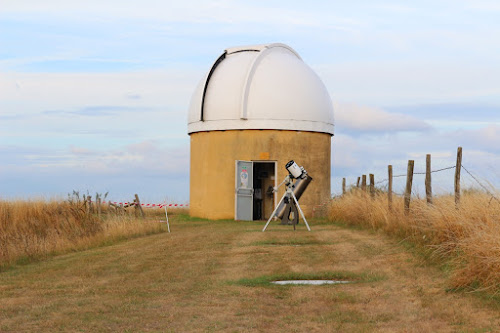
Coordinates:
x,y
292,205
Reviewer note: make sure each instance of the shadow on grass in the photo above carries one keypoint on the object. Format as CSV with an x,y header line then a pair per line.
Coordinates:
x,y
300,241
188,219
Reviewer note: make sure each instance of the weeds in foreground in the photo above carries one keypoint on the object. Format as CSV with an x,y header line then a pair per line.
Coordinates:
x,y
467,236
33,230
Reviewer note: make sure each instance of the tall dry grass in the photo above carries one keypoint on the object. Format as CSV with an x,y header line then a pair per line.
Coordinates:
x,y
31,230
468,237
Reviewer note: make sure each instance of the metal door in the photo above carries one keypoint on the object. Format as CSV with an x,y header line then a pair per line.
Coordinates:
x,y
244,191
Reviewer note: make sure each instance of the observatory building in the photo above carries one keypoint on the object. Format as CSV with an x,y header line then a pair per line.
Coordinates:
x,y
257,108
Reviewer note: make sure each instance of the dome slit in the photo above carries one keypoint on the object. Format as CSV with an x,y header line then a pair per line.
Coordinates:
x,y
212,70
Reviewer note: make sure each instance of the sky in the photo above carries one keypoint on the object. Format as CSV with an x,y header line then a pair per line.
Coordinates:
x,y
94,94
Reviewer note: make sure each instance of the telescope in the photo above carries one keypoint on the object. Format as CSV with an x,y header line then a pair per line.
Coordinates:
x,y
288,208
294,170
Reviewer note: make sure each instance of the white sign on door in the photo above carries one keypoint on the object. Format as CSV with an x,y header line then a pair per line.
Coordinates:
x,y
244,178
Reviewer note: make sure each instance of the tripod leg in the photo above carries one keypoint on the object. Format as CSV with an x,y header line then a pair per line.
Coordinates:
x,y
293,209
301,213
286,216
295,220
274,212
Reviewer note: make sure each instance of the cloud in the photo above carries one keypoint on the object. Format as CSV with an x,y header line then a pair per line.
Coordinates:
x,y
451,112
147,167
12,116
483,5
148,156
395,7
392,82
363,119
344,151
485,138
76,89
194,12
133,96
79,150
100,110
93,110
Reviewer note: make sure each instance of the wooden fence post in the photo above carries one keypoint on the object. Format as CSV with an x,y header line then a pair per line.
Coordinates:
x,y
136,209
458,168
363,183
89,204
389,190
409,182
84,200
138,206
343,186
428,183
98,203
372,185
357,184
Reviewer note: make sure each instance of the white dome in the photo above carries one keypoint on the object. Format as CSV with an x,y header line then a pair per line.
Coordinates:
x,y
261,87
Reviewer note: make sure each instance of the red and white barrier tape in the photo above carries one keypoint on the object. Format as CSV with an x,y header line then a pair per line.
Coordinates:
x,y
151,205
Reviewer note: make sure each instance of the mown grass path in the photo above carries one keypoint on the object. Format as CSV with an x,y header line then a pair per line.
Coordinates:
x,y
187,281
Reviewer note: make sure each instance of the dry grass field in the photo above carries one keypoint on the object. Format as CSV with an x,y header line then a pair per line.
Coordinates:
x,y
33,230
468,238
212,276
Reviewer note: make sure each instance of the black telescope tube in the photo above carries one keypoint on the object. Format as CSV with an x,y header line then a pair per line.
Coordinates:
x,y
300,186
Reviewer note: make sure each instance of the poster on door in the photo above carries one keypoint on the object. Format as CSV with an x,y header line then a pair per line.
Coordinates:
x,y
244,178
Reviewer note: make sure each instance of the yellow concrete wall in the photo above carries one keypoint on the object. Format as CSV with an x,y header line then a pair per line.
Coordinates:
x,y
213,156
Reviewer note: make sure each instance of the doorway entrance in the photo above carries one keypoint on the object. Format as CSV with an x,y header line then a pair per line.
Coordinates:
x,y
255,198
264,180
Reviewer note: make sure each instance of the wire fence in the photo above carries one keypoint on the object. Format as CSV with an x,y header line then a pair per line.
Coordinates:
x,y
415,173
409,177
493,196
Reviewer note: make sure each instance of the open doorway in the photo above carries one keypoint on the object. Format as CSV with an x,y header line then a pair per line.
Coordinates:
x,y
264,179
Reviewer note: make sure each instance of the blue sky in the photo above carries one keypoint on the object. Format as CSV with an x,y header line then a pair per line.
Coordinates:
x,y
94,94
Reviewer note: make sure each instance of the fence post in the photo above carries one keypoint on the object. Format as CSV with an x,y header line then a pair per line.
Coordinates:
x,y
138,206
458,168
409,182
85,203
389,190
89,204
428,183
343,186
363,183
357,184
372,185
98,203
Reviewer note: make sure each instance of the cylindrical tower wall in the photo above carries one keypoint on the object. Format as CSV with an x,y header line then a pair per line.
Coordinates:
x,y
213,156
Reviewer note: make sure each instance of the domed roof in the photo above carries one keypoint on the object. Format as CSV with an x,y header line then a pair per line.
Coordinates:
x,y
261,87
